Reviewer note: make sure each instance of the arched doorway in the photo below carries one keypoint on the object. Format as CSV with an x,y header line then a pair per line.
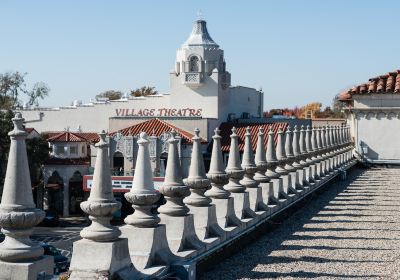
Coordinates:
x,y
118,163
75,193
53,193
163,163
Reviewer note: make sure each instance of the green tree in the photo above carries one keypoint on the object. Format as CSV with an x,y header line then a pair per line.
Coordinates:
x,y
110,94
12,86
144,91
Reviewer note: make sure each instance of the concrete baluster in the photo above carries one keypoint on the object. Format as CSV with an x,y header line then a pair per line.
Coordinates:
x,y
152,253
303,151
205,218
320,150
309,155
297,163
252,185
221,197
263,180
272,163
181,235
235,187
280,169
295,186
20,258
314,158
100,238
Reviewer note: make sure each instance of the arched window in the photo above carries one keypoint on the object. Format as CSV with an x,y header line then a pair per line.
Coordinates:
x,y
194,64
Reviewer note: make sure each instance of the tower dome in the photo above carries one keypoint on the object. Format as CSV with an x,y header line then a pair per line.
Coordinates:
x,y
199,36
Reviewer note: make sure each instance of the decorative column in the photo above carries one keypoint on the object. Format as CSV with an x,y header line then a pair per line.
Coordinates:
x,y
290,159
181,235
280,169
100,238
151,254
314,158
272,164
303,151
222,199
263,180
248,164
205,217
320,151
235,186
328,149
20,258
310,153
297,163
325,156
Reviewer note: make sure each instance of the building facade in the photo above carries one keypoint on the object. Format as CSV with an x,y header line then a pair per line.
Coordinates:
x,y
373,110
200,95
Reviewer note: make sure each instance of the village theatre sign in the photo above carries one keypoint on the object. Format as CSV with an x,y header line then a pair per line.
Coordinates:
x,y
161,112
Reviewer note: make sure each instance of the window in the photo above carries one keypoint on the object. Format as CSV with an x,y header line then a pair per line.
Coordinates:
x,y
59,149
73,150
194,64
83,149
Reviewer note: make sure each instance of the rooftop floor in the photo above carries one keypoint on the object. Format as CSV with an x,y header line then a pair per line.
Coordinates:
x,y
349,231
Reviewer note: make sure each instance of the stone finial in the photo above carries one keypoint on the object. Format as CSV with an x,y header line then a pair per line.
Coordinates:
x,y
173,187
280,153
302,141
260,158
296,142
248,163
319,139
197,180
280,147
308,140
272,161
328,137
233,168
17,210
143,195
216,173
323,138
289,144
314,145
101,203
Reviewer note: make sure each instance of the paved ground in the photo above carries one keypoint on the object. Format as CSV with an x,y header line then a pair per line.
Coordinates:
x,y
350,231
63,236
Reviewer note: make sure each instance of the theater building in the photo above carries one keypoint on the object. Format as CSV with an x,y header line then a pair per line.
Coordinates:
x,y
200,95
373,110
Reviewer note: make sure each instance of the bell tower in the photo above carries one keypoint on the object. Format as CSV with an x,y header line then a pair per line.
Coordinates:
x,y
199,56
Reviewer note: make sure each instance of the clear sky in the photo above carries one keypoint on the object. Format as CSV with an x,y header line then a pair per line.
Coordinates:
x,y
297,51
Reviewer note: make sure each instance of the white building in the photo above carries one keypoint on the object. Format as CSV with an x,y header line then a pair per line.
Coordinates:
x,y
200,95
373,110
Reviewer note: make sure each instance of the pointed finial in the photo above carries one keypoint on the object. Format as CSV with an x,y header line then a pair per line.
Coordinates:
x,y
196,133
200,15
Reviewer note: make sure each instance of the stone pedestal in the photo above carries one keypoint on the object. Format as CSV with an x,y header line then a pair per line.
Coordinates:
x,y
206,225
181,235
242,208
93,260
148,248
296,186
269,200
28,270
279,193
257,204
226,216
287,187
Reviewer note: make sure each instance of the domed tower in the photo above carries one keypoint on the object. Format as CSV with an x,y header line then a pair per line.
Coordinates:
x,y
200,75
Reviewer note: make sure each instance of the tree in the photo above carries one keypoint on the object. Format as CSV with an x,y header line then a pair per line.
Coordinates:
x,y
144,91
37,150
12,86
110,94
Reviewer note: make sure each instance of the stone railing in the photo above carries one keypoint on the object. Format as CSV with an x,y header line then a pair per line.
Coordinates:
x,y
202,213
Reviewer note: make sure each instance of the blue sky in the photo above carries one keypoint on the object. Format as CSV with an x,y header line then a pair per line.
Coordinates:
x,y
297,51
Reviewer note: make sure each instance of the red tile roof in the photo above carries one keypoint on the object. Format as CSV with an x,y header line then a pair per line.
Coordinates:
x,y
66,136
155,127
241,130
388,83
29,129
